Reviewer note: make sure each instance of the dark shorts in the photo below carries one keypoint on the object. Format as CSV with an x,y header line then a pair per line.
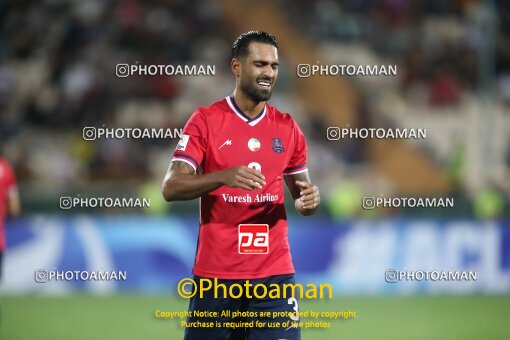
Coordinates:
x,y
227,327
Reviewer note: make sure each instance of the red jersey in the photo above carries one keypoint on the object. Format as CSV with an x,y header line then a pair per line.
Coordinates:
x,y
243,234
7,183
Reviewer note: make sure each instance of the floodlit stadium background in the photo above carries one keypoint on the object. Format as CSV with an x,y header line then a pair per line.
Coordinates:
x,y
57,76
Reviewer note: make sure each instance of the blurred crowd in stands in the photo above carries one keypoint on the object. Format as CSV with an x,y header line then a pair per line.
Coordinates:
x,y
438,44
57,75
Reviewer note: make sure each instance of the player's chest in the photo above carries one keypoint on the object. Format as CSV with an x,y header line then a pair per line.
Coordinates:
x,y
255,147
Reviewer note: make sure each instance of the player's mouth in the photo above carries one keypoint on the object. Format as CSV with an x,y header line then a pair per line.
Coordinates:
x,y
265,84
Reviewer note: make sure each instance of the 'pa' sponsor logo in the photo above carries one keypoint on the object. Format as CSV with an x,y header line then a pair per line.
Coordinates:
x,y
253,239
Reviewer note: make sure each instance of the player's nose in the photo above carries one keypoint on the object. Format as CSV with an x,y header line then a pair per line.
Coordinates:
x,y
269,73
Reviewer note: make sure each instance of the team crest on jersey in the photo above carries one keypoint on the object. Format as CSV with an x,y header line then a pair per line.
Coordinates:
x,y
277,145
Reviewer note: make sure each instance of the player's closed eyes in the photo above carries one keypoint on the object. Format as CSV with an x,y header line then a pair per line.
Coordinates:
x,y
259,64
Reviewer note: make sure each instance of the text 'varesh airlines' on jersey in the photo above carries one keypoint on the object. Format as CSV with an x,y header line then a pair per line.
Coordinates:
x,y
219,137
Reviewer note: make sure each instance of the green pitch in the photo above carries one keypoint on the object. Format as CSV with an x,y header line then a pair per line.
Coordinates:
x,y
132,317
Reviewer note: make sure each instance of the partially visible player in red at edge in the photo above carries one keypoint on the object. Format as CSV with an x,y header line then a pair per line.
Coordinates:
x,y
235,156
9,201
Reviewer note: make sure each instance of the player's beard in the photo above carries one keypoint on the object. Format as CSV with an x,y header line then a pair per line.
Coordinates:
x,y
257,95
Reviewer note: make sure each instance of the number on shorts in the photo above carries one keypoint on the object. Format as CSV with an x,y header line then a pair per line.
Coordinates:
x,y
294,316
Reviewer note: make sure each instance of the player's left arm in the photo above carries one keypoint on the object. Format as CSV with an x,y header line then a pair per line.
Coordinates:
x,y
305,194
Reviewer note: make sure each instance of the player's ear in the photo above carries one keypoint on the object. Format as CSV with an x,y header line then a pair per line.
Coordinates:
x,y
235,66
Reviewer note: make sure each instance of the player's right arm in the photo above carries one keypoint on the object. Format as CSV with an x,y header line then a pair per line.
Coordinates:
x,y
181,183
183,180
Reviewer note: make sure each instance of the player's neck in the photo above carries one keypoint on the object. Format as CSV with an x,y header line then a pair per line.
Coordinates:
x,y
247,105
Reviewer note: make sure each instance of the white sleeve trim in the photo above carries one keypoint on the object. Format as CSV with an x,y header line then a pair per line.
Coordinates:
x,y
295,172
177,159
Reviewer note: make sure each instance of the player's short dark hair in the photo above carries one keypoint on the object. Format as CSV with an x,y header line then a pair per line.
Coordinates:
x,y
241,44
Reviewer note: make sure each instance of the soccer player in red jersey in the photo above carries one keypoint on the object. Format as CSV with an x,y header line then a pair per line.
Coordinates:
x,y
235,155
9,201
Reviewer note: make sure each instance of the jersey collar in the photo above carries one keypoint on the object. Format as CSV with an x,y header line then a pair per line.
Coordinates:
x,y
251,121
